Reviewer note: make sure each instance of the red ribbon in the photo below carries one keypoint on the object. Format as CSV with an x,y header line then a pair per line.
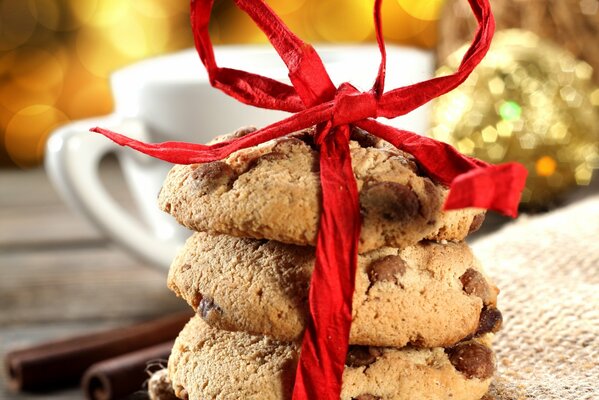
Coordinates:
x,y
315,101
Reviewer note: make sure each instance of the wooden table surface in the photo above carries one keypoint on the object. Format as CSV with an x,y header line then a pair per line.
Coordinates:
x,y
59,276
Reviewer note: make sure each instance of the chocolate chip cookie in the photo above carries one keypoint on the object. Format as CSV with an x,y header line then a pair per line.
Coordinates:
x,y
426,295
207,363
272,191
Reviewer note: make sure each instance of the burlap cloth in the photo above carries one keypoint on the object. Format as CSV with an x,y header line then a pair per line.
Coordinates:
x,y
547,268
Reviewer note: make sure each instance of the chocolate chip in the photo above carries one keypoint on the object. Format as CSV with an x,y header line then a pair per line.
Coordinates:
x,y
195,300
408,161
361,356
304,140
477,221
367,396
183,394
185,267
269,157
363,138
279,155
241,132
278,152
208,309
210,176
490,321
474,283
160,386
387,269
389,200
376,351
306,136
288,141
414,167
472,359
430,188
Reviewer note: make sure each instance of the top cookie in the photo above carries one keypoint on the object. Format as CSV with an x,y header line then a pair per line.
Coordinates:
x,y
272,191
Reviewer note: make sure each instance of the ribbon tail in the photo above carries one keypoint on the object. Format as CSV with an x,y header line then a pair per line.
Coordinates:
x,y
440,160
324,347
472,182
496,187
191,153
173,152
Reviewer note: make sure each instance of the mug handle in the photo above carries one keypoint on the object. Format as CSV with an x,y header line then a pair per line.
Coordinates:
x,y
72,161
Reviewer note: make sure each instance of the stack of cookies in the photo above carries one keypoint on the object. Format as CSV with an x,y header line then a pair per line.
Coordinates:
x,y
423,311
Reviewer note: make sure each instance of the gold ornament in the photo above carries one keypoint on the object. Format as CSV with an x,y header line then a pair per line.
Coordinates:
x,y
528,101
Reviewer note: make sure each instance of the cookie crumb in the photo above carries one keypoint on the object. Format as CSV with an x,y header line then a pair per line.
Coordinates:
x,y
159,386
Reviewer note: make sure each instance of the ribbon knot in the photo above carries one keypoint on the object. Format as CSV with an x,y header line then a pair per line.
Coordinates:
x,y
314,100
351,105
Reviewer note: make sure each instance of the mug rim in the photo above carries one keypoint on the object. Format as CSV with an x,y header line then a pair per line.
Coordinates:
x,y
233,56
128,82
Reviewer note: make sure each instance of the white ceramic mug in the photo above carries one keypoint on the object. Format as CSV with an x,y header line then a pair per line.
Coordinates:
x,y
170,98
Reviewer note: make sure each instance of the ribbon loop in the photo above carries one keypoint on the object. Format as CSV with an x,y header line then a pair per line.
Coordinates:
x,y
306,70
310,78
379,84
405,99
248,88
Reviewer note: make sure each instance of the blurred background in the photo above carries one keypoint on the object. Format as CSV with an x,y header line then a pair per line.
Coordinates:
x,y
56,55
535,102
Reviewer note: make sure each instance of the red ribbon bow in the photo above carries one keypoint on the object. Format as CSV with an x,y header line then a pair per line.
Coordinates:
x,y
315,101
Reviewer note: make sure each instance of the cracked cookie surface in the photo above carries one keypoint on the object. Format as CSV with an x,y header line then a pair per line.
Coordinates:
x,y
272,191
208,364
428,295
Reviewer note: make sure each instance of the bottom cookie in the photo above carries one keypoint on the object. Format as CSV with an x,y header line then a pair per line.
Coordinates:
x,y
207,363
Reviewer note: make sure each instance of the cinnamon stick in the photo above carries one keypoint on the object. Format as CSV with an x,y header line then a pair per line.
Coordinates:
x,y
61,363
121,376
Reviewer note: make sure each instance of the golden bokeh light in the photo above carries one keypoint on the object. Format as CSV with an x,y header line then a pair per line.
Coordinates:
x,y
133,41
47,13
14,97
427,10
245,30
111,12
56,56
160,9
17,23
81,11
285,7
27,130
401,27
30,76
96,52
89,99
545,166
7,62
342,21
78,100
528,101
